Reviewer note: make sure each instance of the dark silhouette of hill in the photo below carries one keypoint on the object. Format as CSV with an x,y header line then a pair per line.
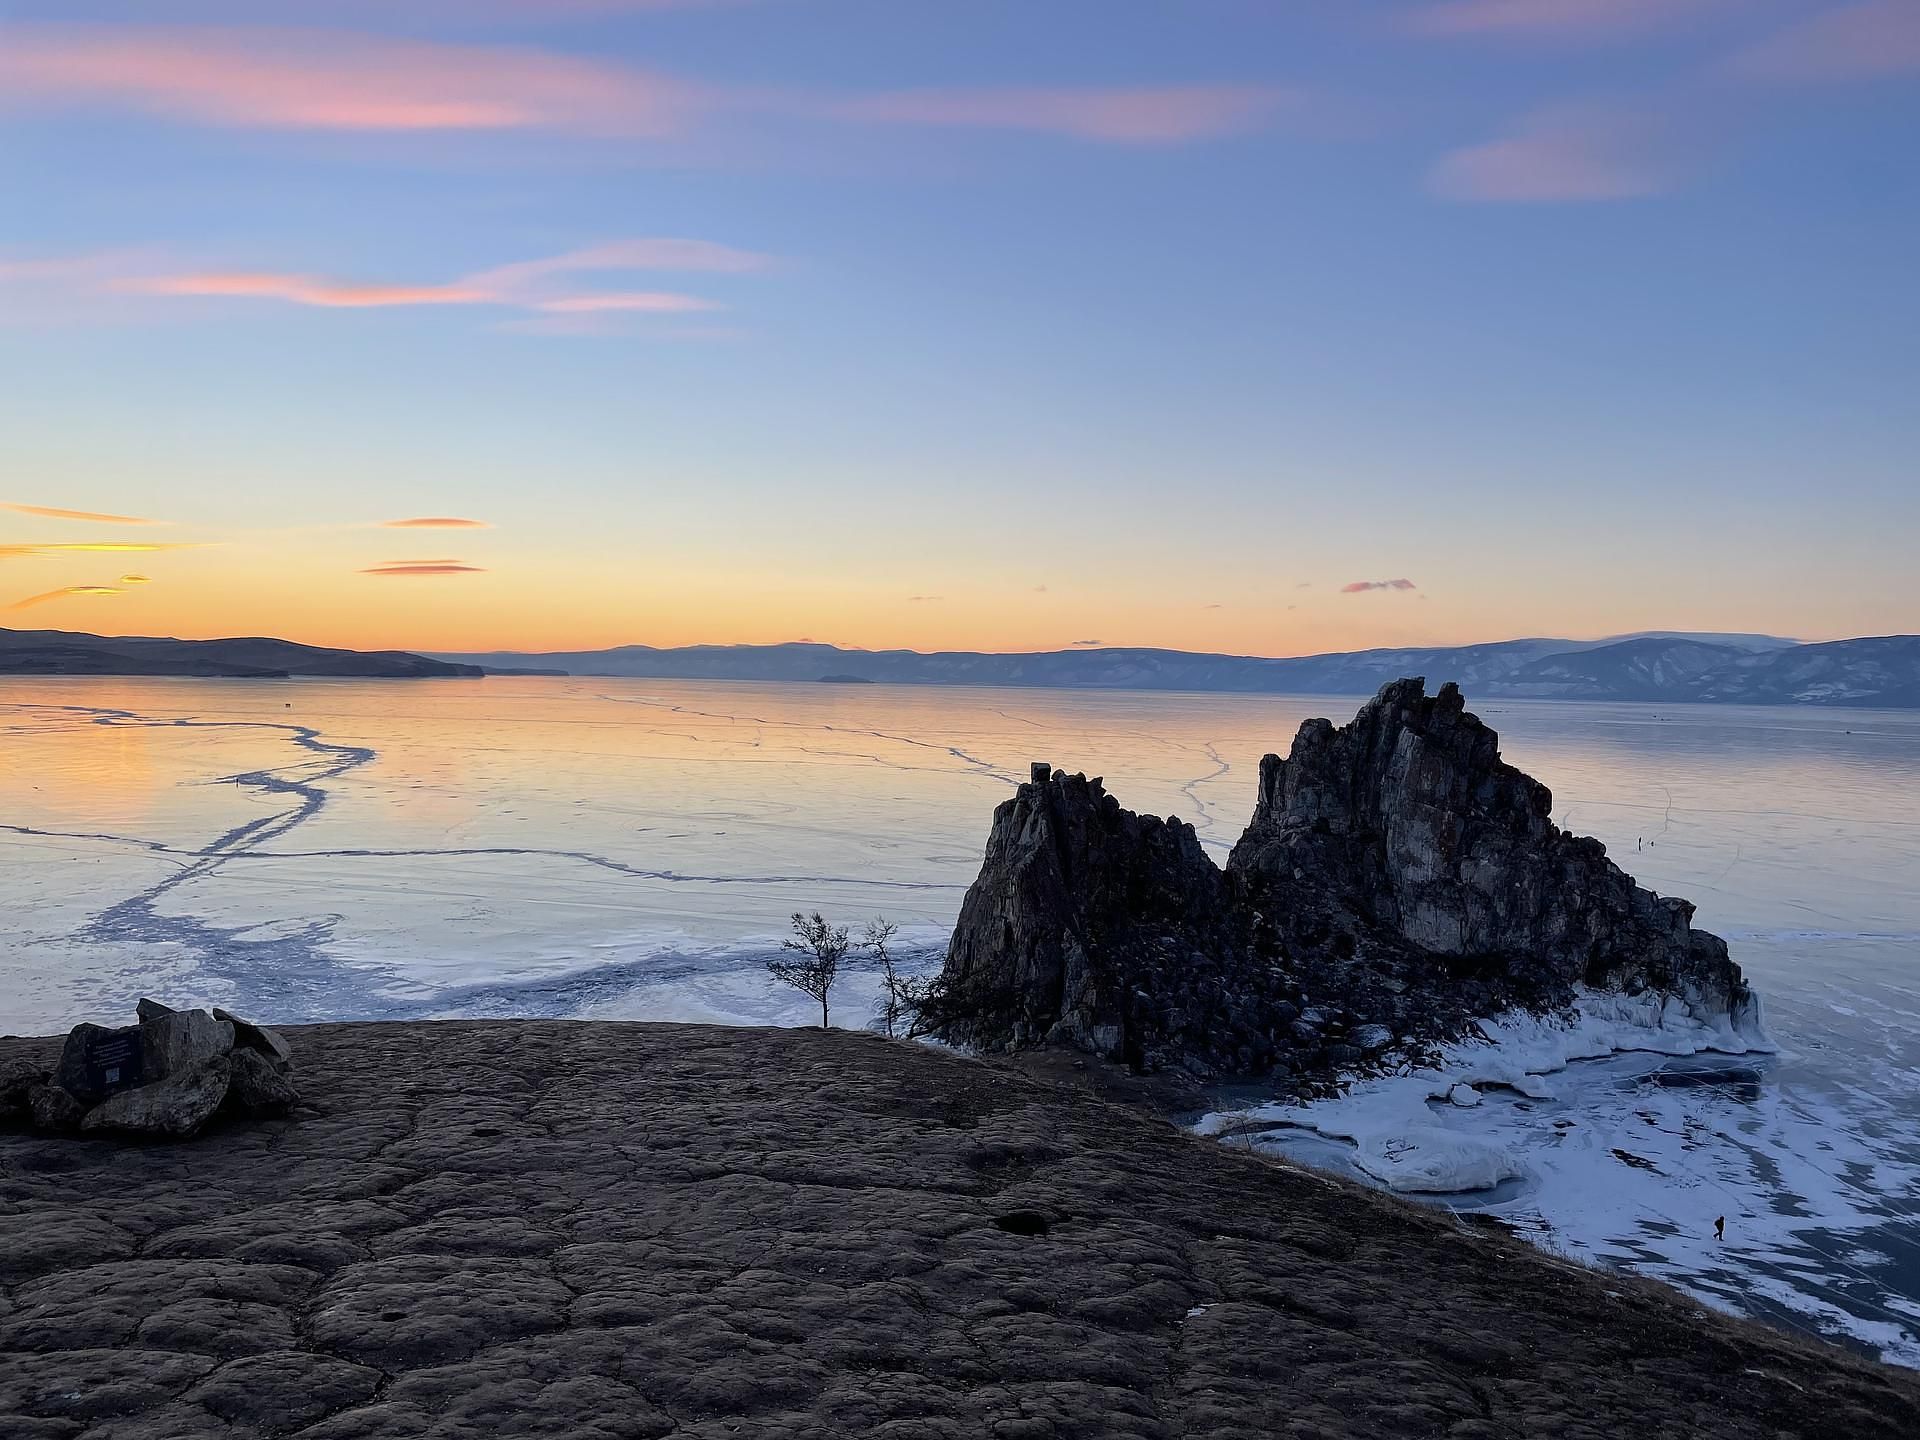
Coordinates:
x,y
62,652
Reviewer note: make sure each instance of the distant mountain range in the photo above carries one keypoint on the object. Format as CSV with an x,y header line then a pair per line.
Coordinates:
x,y
63,652
1664,666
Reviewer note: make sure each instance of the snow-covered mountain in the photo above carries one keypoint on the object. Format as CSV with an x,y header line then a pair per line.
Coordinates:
x,y
1666,666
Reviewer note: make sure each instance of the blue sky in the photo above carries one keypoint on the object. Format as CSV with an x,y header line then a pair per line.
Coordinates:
x,y
984,324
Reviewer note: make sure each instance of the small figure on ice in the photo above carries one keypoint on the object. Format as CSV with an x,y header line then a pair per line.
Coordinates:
x,y
1720,1228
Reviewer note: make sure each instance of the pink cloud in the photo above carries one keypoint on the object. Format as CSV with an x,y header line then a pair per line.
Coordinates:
x,y
1553,17
327,80
531,285
48,596
281,78
647,302
437,522
1865,40
51,512
1166,116
1361,586
1574,154
304,290
422,567
652,253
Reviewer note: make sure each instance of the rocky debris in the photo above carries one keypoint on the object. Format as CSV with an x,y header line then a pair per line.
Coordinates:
x,y
165,1077
810,1233
1398,881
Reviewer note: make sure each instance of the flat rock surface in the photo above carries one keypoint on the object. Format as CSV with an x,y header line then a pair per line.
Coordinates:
x,y
567,1229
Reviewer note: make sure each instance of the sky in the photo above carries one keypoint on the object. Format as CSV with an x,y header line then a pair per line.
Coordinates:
x,y
1262,326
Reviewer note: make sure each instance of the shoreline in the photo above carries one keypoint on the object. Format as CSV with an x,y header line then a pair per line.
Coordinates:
x,y
723,1231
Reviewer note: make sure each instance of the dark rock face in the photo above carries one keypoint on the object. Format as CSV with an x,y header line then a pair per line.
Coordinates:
x,y
1408,819
1398,880
53,1109
164,1078
1081,910
174,1107
181,1040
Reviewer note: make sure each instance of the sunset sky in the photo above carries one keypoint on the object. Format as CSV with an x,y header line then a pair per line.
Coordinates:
x,y
1269,326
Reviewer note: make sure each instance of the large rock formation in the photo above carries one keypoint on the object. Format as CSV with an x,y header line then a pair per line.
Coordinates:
x,y
1408,820
1398,880
164,1078
1093,926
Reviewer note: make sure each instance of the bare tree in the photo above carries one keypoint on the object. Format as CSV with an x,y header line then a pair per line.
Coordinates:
x,y
907,995
821,947
898,1003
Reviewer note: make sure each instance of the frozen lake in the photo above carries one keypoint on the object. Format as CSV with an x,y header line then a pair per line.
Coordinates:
x,y
630,849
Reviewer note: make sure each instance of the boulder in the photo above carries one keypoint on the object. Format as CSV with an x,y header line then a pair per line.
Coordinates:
x,y
17,1077
172,1109
52,1108
178,1040
256,1085
96,1061
152,1009
257,1037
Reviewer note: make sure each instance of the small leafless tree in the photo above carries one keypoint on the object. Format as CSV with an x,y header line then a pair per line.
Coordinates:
x,y
820,948
907,995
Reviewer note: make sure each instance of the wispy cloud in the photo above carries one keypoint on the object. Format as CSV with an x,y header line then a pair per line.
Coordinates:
x,y
1862,41
924,599
1087,644
303,290
422,567
649,253
136,580
1574,153
643,302
53,513
1360,586
535,286
48,596
1169,115
268,77
31,549
1576,18
436,522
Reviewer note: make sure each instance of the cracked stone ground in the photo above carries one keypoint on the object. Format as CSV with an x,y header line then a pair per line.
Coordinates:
x,y
534,1229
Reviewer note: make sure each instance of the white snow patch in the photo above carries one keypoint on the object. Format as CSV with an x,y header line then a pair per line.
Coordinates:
x,y
1424,1159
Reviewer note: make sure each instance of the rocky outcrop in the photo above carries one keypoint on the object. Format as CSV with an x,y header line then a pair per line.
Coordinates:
x,y
164,1078
1397,881
1091,926
1407,820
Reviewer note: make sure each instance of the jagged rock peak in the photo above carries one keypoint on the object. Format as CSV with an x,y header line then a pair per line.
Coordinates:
x,y
1080,911
1408,816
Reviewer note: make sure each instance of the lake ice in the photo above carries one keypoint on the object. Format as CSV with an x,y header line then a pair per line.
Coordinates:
x,y
630,849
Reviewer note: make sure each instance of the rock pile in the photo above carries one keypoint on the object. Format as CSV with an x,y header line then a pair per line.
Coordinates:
x,y
1397,881
164,1077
